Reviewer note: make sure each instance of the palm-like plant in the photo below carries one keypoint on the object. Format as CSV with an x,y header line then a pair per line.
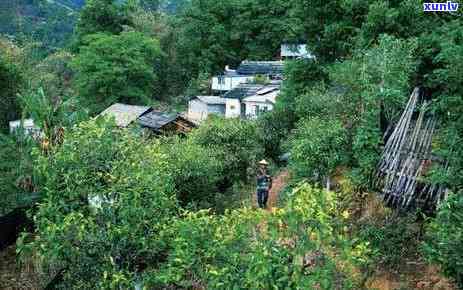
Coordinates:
x,y
51,116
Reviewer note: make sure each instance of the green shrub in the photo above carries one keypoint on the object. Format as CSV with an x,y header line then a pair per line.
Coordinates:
x,y
195,170
11,79
391,239
444,238
234,143
16,172
300,246
107,195
317,147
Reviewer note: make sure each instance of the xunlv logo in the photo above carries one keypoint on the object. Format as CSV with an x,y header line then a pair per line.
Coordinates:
x,y
449,6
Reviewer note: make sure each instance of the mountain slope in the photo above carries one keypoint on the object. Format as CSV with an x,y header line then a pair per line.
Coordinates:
x,y
50,22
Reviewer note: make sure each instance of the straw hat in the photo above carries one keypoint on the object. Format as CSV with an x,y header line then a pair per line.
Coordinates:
x,y
263,162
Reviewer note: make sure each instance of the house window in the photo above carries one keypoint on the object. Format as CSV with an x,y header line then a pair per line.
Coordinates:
x,y
221,80
260,110
232,107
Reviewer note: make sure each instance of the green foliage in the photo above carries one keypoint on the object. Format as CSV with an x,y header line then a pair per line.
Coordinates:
x,y
444,240
101,16
446,84
274,126
51,23
366,151
379,74
301,75
196,171
116,68
371,84
212,34
54,75
317,148
16,171
234,144
11,80
51,116
107,195
301,246
391,239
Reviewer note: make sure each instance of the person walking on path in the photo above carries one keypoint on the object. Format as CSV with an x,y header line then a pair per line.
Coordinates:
x,y
264,184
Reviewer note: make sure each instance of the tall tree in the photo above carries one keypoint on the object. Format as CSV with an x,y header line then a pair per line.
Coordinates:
x,y
101,16
11,80
116,68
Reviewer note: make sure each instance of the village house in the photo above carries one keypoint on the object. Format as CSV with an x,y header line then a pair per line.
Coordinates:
x,y
261,102
247,72
27,125
247,100
248,91
200,107
125,115
161,123
156,122
229,80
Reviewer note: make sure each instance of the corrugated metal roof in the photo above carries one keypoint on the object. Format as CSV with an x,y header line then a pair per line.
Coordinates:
x,y
261,68
125,114
212,100
243,90
267,89
269,97
156,119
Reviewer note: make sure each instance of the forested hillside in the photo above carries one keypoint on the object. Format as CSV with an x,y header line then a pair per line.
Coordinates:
x,y
363,141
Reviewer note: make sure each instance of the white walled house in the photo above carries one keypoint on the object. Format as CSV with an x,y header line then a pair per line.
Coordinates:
x,y
29,127
263,101
233,108
200,107
227,82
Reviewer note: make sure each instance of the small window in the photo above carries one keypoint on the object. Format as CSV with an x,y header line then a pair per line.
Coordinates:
x,y
261,109
232,107
221,80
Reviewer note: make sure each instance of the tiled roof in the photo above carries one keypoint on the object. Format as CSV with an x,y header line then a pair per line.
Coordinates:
x,y
243,90
156,119
212,100
125,114
261,68
269,97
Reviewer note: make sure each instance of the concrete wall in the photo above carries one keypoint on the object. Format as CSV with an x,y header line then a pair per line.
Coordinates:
x,y
229,82
233,108
251,108
197,110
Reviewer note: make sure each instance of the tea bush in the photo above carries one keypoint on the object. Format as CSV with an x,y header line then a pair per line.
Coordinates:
x,y
106,198
444,238
234,144
300,246
195,170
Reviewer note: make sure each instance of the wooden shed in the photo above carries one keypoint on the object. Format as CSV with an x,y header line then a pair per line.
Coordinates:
x,y
162,123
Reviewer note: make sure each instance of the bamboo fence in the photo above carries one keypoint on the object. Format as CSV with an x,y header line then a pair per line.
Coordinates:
x,y
406,157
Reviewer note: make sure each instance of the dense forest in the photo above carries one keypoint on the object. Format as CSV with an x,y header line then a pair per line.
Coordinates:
x,y
178,212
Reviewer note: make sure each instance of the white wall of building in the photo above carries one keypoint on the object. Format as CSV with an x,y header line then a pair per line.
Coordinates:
x,y
252,108
228,83
197,110
233,108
